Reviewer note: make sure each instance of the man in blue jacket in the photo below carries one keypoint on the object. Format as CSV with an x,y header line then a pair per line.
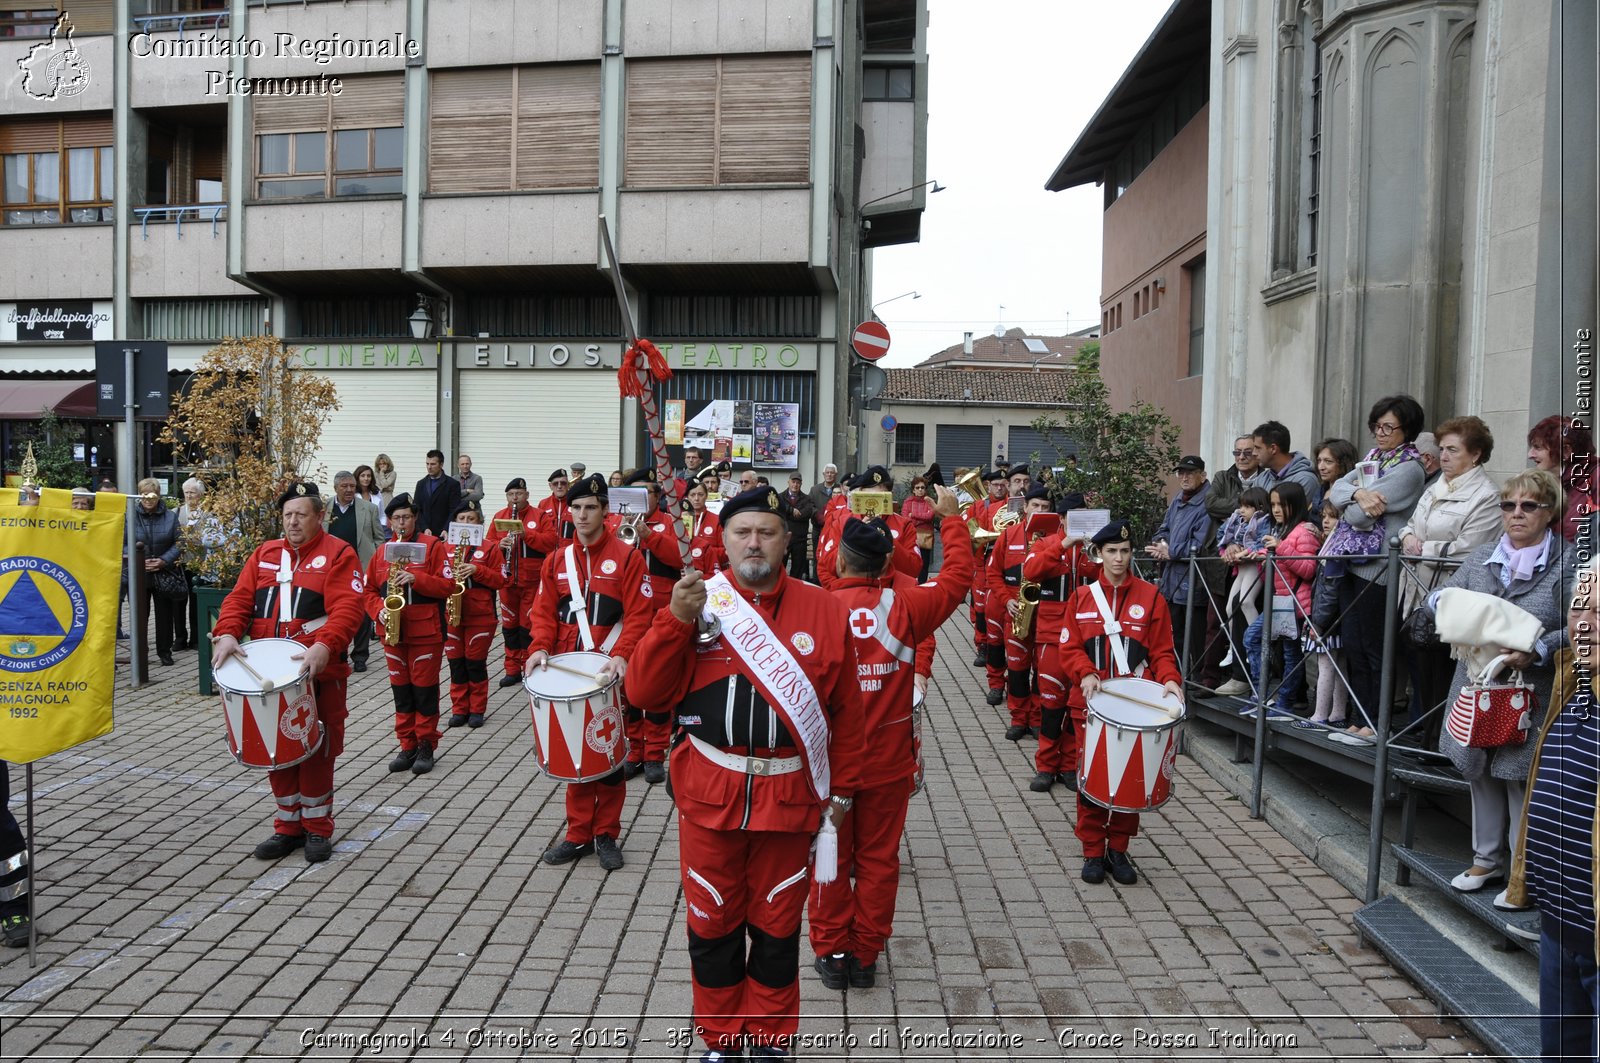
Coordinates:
x,y
1187,531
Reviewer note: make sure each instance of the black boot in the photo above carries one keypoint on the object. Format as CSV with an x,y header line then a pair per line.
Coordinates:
x,y
423,763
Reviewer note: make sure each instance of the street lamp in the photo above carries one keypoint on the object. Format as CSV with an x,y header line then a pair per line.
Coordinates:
x,y
860,210
420,320
892,298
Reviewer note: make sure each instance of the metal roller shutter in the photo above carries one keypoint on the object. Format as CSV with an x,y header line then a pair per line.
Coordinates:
x,y
393,413
1023,442
958,445
527,425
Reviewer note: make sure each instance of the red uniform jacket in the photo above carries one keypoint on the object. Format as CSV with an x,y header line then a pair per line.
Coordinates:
x,y
1058,572
888,641
705,549
422,619
477,606
663,557
1005,567
714,702
907,558
1146,625
556,522
326,584
521,569
615,593
982,514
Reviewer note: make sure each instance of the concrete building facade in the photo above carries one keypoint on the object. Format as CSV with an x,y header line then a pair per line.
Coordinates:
x,y
322,171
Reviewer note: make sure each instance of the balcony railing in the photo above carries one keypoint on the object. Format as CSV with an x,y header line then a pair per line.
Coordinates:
x,y
181,21
198,211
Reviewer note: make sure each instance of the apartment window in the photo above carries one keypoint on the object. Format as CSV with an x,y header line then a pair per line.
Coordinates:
x,y
888,83
37,19
908,444
736,120
1297,145
56,171
316,147
496,130
1197,316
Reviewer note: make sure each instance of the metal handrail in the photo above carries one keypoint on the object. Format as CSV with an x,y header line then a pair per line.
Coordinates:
x,y
180,21
175,214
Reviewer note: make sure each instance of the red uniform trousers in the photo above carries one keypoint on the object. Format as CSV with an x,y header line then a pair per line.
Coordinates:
x,y
995,625
1097,828
595,808
648,733
1016,657
414,680
514,605
304,791
860,920
1058,741
980,629
740,883
467,649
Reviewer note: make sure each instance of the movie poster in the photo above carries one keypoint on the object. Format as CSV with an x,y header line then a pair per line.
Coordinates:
x,y
775,427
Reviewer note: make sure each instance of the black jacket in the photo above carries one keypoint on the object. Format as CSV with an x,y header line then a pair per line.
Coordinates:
x,y
433,510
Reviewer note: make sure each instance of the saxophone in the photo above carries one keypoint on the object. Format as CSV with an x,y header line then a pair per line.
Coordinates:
x,y
1027,600
394,601
452,604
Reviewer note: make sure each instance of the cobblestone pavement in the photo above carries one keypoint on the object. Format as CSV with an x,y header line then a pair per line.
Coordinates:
x,y
436,928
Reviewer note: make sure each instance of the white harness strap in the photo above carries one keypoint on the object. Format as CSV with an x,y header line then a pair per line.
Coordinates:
x,y
1113,630
580,608
285,590
884,637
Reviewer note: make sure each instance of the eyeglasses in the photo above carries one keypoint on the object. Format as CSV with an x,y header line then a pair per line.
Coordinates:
x,y
1523,506
1383,428
1242,453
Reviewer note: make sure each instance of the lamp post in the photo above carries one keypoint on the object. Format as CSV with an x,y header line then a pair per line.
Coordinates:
x,y
892,298
421,321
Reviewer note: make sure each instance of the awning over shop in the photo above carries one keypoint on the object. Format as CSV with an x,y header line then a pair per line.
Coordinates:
x,y
25,400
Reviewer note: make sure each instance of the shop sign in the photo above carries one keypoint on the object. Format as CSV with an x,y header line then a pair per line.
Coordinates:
x,y
729,355
55,321
378,355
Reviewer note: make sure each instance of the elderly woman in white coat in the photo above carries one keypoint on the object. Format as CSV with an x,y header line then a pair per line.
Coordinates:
x,y
1526,567
1458,513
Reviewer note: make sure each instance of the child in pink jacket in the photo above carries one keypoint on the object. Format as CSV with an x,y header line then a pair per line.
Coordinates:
x,y
1294,537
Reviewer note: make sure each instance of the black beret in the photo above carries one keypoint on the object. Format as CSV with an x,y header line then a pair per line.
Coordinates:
x,y
870,538
559,474
1115,532
1017,470
297,490
1073,501
466,505
519,484
589,487
993,474
876,478
755,500
645,475
399,501
1037,491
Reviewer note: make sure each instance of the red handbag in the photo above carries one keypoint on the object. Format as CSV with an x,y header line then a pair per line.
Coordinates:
x,y
1487,714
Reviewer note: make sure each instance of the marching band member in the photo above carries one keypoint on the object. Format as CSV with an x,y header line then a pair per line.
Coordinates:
x,y
769,734
415,657
1005,577
522,558
993,651
305,586
553,510
1116,625
891,617
593,596
466,645
907,558
663,558
705,544
1058,564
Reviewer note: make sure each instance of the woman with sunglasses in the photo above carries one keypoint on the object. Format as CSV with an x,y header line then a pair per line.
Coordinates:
x,y
1375,500
1524,565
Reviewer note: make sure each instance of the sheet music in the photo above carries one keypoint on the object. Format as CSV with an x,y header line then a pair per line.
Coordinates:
x,y
1083,523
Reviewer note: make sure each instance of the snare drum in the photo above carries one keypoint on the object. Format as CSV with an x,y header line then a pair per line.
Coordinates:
x,y
269,730
1128,746
916,740
578,729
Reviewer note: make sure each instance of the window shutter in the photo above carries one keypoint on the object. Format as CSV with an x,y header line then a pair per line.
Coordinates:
x,y
287,114
671,123
87,16
469,134
558,126
91,132
29,136
371,102
765,122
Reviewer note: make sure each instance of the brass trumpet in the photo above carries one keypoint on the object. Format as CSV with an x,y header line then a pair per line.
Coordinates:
x,y
628,530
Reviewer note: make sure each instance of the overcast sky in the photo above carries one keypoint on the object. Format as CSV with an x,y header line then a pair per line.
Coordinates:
x,y
1012,84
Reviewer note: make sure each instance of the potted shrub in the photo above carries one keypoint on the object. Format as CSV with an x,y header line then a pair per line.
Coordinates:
x,y
248,422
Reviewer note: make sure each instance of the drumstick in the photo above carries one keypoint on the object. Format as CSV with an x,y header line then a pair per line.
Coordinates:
x,y
267,685
1173,711
571,671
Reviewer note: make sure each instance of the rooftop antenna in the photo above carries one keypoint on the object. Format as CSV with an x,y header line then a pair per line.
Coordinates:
x,y
1000,326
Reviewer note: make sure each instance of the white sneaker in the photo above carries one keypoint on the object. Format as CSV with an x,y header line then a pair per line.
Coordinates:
x,y
1234,687
1504,905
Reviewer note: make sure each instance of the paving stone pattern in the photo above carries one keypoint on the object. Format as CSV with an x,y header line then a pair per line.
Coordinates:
x,y
435,932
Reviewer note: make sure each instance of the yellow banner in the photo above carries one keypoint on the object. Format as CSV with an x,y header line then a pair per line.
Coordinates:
x,y
60,580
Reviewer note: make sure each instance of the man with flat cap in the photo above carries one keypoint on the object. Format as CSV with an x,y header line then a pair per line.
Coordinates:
x,y
1059,563
466,644
1188,531
415,656
768,743
891,619
1005,581
1117,625
592,597
663,559
520,563
305,586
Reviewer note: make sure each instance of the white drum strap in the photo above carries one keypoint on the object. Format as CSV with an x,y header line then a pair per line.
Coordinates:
x,y
580,609
1113,630
285,588
884,637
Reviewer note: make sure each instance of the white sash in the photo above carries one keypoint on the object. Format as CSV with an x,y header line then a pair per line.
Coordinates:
x,y
767,662
884,637
580,601
285,588
1119,645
